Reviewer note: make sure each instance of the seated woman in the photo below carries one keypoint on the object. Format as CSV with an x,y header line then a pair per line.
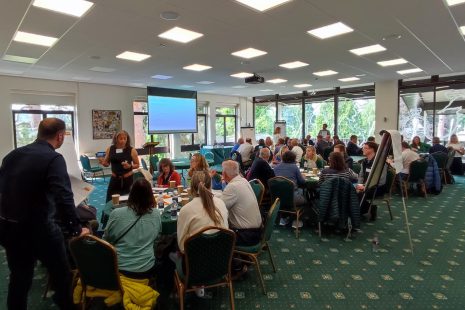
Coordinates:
x,y
198,163
337,169
340,148
278,158
312,158
419,146
133,230
204,210
167,173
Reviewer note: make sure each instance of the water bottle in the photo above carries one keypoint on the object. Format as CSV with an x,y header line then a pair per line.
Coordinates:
x,y
375,243
305,165
174,209
176,202
160,202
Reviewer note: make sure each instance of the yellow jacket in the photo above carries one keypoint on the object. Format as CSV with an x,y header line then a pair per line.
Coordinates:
x,y
137,295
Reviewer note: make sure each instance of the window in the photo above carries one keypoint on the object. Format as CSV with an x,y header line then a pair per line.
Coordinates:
x,y
449,112
26,119
356,116
319,111
265,116
291,113
141,135
225,125
193,141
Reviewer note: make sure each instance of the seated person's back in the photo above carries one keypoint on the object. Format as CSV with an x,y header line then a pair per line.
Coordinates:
x,y
337,169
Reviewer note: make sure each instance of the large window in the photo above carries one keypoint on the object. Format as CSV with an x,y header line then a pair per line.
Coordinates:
x,y
26,119
193,141
141,135
319,111
265,116
291,113
356,116
449,112
225,125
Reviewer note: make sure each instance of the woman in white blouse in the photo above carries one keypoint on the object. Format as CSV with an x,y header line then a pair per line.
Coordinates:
x,y
457,166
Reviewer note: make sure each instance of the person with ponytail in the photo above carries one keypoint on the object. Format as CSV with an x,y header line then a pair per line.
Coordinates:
x,y
204,210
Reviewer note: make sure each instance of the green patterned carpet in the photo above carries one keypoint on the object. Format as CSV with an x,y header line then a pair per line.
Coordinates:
x,y
335,274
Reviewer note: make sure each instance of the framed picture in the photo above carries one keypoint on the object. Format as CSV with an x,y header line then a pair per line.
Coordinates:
x,y
105,123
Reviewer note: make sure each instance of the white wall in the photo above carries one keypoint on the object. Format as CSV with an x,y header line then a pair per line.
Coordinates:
x,y
387,107
89,96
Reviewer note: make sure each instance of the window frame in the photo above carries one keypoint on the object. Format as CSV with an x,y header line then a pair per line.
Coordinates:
x,y
224,116
196,146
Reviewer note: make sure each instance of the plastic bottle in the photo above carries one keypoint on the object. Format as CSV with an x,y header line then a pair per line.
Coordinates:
x,y
375,243
305,165
174,209
160,202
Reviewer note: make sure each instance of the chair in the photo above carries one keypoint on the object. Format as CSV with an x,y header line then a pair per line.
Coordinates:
x,y
416,174
283,188
209,156
154,164
207,262
236,156
441,159
88,169
253,252
390,180
356,167
97,265
258,189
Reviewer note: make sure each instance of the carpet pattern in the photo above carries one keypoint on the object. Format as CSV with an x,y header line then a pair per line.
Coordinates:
x,y
332,273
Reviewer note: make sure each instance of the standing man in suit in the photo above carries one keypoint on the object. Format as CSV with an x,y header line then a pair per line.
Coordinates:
x,y
34,190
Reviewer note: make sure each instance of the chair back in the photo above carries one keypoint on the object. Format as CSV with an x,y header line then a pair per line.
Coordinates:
x,y
356,167
137,175
236,156
417,170
258,189
85,162
208,256
441,159
282,188
450,159
209,156
270,220
96,262
390,178
154,162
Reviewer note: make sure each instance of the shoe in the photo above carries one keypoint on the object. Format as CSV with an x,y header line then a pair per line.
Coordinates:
x,y
294,224
373,213
284,221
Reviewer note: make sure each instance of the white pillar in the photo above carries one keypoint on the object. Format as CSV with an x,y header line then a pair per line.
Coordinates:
x,y
176,146
387,105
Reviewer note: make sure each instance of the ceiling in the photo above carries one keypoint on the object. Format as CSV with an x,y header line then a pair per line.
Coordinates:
x,y
430,40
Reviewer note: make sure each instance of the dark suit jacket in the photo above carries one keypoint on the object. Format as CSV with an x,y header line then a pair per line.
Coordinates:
x,y
260,170
35,190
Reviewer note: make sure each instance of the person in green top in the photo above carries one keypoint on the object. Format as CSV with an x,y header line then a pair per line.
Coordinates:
x,y
132,230
419,146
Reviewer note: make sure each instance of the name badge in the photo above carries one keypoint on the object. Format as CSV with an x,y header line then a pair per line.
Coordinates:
x,y
119,151
368,170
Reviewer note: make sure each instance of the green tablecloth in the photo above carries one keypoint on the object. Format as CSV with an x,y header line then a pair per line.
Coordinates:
x,y
219,153
168,225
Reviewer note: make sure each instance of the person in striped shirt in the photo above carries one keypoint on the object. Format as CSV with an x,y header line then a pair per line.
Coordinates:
x,y
337,169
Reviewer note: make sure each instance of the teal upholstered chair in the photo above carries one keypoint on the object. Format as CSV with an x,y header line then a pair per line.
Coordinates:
x,y
89,170
258,189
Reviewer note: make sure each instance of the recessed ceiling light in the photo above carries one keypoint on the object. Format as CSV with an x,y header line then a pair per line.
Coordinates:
x,y
325,73
133,56
249,53
241,75
102,69
31,38
408,71
368,50
179,34
262,5
393,62
239,86
330,31
70,7
26,60
302,85
197,67
161,77
277,81
454,2
205,82
294,65
266,90
359,75
462,29
349,79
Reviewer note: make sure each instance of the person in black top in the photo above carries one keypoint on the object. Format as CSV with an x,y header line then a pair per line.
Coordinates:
x,y
437,146
123,159
352,147
261,168
35,190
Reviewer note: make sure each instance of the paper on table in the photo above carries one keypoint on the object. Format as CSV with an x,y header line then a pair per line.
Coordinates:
x,y
168,201
158,189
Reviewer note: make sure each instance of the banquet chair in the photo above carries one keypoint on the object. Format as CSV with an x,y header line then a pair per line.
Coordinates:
x,y
88,169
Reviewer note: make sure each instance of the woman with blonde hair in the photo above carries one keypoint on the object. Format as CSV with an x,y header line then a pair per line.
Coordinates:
x,y
313,159
123,159
204,210
198,163
454,145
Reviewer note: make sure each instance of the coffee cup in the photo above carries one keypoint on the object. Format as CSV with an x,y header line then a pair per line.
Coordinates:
x,y
115,199
315,171
172,184
184,201
326,167
180,189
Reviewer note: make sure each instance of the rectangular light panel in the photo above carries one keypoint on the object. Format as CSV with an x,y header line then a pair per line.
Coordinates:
x,y
392,62
409,71
179,34
197,67
70,7
262,5
133,56
325,73
330,30
249,53
31,38
294,65
368,50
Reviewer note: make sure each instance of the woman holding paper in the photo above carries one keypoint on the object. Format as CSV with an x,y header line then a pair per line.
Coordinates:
x,y
123,159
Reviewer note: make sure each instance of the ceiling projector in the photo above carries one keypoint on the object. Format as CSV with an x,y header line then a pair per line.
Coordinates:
x,y
255,79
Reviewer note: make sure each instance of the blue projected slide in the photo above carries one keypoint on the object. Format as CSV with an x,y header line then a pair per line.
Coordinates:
x,y
169,115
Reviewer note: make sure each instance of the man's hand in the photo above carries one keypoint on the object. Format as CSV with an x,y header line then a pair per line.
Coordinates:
x,y
85,231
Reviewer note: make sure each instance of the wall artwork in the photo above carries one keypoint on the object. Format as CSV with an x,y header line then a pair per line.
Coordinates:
x,y
105,123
